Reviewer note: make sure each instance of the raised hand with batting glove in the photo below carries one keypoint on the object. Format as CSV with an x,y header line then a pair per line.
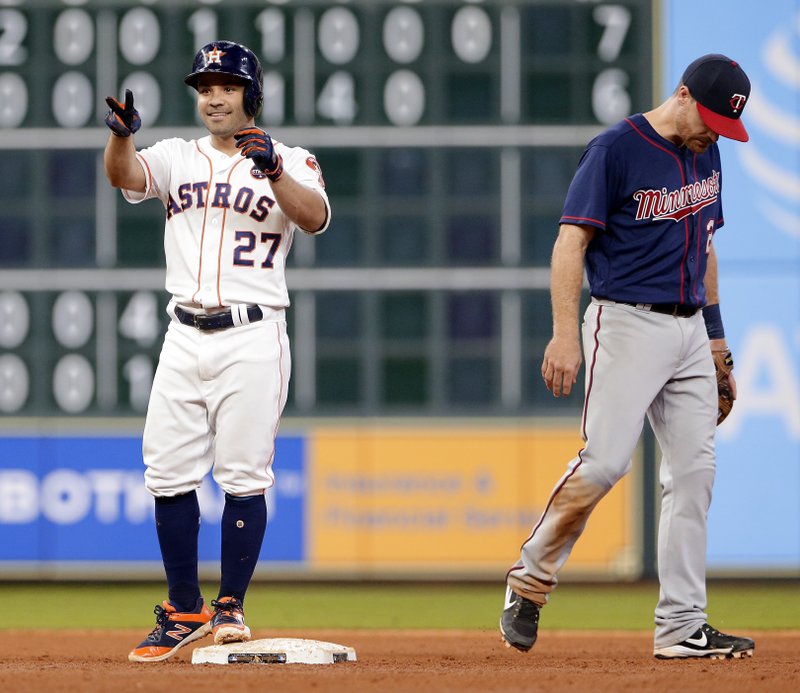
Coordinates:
x,y
123,119
257,145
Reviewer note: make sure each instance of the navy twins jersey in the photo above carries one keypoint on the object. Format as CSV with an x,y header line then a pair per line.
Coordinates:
x,y
655,206
225,239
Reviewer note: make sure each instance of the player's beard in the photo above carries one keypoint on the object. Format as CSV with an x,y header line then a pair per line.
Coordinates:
x,y
688,135
698,144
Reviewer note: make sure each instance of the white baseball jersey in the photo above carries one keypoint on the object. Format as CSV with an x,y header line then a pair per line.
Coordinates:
x,y
225,239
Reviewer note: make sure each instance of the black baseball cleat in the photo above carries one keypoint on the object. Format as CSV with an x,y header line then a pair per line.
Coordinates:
x,y
519,623
710,643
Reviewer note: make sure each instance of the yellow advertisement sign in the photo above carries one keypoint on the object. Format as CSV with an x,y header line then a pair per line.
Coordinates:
x,y
449,500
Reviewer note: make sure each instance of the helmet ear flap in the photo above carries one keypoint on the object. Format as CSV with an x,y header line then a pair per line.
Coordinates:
x,y
254,94
253,105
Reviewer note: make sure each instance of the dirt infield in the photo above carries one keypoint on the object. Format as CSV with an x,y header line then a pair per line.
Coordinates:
x,y
390,661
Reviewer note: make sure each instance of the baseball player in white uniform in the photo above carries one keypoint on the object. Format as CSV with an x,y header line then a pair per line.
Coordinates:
x,y
233,200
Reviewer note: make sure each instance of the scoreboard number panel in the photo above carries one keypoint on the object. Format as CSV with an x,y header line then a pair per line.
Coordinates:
x,y
447,130
74,352
351,63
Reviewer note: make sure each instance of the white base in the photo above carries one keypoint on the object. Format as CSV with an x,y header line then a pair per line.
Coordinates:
x,y
275,651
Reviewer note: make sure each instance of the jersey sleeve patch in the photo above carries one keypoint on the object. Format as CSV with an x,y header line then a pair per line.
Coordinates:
x,y
313,164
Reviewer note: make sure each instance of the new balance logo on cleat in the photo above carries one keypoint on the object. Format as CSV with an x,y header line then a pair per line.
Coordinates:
x,y
519,623
709,643
178,632
173,630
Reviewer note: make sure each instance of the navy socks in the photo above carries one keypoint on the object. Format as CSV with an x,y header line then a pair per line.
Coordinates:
x,y
244,521
177,525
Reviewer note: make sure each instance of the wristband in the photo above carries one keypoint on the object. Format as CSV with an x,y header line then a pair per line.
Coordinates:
x,y
275,174
713,320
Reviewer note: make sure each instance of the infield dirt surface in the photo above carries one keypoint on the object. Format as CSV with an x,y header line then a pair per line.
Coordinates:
x,y
86,661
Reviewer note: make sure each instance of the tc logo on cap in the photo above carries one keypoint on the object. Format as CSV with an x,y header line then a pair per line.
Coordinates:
x,y
737,102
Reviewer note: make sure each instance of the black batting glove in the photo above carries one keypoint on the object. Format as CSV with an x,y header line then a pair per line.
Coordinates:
x,y
257,146
123,119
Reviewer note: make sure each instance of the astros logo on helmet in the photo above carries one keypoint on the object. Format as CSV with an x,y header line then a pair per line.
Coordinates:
x,y
214,56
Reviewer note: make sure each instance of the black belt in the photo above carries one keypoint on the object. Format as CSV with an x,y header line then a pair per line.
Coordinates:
x,y
679,310
215,321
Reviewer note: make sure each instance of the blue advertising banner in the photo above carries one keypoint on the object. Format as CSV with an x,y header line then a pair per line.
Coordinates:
x,y
83,499
755,515
758,447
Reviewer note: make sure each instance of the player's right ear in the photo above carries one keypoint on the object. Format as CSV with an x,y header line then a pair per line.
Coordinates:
x,y
683,93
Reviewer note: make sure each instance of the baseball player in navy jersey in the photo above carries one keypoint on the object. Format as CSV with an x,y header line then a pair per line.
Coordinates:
x,y
233,200
640,216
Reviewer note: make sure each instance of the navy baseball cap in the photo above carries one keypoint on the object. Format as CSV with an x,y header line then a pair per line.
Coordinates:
x,y
721,89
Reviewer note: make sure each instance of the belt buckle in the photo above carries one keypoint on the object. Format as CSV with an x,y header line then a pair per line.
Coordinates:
x,y
675,309
195,321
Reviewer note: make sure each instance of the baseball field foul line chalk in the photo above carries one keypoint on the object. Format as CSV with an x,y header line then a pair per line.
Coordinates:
x,y
275,651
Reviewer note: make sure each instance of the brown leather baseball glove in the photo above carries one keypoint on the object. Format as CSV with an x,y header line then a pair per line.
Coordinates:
x,y
723,362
